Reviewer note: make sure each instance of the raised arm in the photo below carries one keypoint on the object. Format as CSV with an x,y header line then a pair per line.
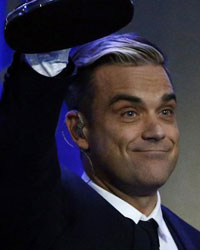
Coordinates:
x,y
30,177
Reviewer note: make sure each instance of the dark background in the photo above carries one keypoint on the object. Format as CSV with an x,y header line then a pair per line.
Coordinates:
x,y
175,27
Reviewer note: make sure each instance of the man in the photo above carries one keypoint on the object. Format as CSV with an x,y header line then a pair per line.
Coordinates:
x,y
122,117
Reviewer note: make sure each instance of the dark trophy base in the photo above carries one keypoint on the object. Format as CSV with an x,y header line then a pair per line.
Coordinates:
x,y
46,25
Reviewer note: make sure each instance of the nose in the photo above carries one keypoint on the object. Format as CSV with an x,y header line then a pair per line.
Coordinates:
x,y
153,131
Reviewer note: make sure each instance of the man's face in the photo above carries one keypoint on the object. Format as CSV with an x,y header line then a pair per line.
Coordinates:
x,y
133,140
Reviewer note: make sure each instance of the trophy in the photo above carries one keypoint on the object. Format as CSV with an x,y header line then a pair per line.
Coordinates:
x,y
46,25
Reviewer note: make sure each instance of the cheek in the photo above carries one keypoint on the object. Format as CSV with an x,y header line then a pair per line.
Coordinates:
x,y
104,138
173,134
112,140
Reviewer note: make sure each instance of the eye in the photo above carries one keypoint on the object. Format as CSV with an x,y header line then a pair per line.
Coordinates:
x,y
129,116
130,113
168,113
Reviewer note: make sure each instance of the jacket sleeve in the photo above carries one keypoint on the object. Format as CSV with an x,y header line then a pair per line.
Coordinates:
x,y
30,176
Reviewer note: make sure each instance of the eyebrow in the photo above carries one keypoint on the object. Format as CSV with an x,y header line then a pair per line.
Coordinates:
x,y
169,97
124,97
135,99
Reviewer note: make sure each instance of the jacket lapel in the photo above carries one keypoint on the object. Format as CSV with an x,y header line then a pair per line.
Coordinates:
x,y
181,232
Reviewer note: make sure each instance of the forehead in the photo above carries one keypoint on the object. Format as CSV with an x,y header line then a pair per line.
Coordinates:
x,y
145,82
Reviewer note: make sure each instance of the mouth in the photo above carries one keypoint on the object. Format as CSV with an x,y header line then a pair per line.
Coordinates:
x,y
151,150
153,153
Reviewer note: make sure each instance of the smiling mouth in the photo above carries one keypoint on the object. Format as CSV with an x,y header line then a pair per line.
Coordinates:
x,y
153,154
151,150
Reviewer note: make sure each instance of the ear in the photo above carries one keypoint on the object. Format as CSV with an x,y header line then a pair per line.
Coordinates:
x,y
77,128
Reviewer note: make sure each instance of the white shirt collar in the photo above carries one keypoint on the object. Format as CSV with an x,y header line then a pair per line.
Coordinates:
x,y
129,211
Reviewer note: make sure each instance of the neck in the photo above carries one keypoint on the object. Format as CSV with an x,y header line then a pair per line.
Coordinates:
x,y
143,203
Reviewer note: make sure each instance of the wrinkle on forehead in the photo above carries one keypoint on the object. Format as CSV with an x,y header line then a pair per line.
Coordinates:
x,y
112,79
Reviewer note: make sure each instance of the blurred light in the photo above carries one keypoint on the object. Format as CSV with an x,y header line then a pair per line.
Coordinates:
x,y
5,51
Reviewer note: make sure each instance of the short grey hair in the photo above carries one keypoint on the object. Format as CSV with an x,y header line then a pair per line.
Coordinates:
x,y
128,49
122,49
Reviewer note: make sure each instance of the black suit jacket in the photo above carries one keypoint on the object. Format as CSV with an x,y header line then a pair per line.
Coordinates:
x,y
42,208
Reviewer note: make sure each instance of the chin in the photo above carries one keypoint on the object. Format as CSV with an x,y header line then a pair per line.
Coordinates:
x,y
155,182
147,184
142,186
148,189
158,179
158,172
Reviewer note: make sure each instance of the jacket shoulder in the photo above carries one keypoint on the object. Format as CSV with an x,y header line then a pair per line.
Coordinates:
x,y
171,216
189,235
